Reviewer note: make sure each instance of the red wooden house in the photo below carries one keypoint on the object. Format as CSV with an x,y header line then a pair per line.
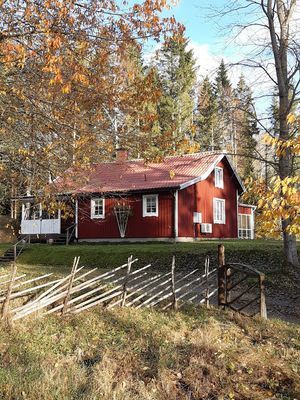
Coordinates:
x,y
187,197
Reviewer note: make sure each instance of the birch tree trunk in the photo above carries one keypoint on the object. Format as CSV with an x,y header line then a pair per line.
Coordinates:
x,y
279,11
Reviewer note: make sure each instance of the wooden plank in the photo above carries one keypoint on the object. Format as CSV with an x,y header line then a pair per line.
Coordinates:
x,y
241,294
97,302
126,280
6,303
239,309
9,280
136,289
72,277
231,287
263,307
38,306
206,267
151,289
89,293
68,294
221,276
241,267
147,301
174,300
191,283
27,291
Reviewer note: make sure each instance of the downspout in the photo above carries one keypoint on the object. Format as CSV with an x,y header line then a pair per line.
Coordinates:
x,y
252,223
237,213
176,214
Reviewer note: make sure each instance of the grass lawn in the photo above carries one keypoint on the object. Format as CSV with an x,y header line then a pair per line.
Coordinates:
x,y
265,255
128,354
111,255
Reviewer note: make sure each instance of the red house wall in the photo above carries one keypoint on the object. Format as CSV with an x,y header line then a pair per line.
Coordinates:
x,y
137,227
245,210
199,197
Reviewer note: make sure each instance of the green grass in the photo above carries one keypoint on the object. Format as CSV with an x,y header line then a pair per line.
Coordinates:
x,y
108,255
4,247
127,354
265,255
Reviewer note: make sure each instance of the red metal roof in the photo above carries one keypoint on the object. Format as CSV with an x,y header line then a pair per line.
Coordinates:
x,y
135,175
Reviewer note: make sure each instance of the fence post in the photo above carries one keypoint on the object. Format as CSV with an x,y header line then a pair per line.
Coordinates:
x,y
227,284
15,253
174,301
5,307
125,284
221,276
206,266
67,298
263,307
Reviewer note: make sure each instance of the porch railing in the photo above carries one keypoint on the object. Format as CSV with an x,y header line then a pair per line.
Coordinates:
x,y
18,247
70,232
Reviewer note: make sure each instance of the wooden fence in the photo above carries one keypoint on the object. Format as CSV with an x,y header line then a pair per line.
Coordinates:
x,y
124,286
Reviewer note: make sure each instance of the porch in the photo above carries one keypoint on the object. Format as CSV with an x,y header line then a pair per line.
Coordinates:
x,y
43,225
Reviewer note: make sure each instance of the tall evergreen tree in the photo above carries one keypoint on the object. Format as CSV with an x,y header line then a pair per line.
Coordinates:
x,y
222,80
206,117
224,99
245,128
177,72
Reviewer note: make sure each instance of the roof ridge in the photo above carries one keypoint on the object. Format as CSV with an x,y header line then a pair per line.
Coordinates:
x,y
199,153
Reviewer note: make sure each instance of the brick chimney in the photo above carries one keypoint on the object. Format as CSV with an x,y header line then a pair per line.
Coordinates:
x,y
121,155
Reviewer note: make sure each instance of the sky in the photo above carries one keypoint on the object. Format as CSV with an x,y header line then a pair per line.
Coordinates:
x,y
206,37
211,42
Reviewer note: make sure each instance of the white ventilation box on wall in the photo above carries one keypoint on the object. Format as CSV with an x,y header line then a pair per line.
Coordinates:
x,y
206,228
197,217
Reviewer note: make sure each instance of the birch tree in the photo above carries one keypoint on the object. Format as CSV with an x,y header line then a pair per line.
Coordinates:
x,y
275,52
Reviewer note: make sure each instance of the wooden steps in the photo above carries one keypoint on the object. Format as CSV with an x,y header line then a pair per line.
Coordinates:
x,y
8,256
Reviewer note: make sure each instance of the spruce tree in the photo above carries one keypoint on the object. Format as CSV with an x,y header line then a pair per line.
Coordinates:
x,y
177,72
245,125
222,80
206,116
224,100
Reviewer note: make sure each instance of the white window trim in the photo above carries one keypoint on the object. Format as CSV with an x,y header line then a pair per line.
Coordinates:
x,y
145,213
221,184
248,232
223,221
93,216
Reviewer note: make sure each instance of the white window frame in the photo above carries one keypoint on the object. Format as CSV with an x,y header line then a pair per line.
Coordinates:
x,y
150,214
219,179
247,232
222,219
97,216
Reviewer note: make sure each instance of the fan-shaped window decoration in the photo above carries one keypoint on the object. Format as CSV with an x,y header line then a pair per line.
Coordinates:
x,y
122,212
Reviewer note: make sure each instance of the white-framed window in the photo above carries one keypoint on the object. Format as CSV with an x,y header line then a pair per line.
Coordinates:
x,y
245,226
97,208
219,181
219,211
150,205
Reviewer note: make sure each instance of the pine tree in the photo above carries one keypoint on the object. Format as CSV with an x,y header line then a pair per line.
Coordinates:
x,y
206,117
177,73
